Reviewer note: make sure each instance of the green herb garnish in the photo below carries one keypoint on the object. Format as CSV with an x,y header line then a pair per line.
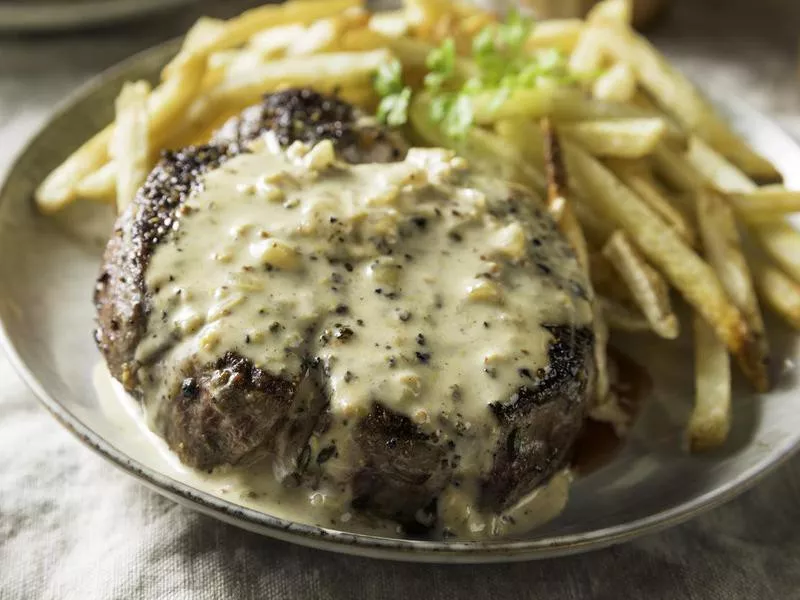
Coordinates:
x,y
393,110
502,64
441,63
395,96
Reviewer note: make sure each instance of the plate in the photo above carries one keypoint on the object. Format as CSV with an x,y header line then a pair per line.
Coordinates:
x,y
50,15
47,270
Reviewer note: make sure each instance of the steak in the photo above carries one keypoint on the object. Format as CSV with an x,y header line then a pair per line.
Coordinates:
x,y
231,411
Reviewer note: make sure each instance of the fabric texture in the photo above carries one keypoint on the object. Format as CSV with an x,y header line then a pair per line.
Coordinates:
x,y
72,526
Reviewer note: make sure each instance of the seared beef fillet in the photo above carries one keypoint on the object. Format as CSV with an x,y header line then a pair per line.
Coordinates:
x,y
232,412
305,116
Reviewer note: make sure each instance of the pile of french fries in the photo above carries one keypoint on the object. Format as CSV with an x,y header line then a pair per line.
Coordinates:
x,y
650,185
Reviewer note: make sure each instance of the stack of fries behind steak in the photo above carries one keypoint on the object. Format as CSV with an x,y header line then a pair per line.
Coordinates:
x,y
651,186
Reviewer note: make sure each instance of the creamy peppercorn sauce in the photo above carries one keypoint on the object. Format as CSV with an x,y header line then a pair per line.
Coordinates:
x,y
420,284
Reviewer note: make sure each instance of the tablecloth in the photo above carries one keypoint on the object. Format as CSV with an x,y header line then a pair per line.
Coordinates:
x,y
72,526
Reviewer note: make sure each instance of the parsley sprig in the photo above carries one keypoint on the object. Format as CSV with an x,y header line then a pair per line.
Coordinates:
x,y
502,64
395,97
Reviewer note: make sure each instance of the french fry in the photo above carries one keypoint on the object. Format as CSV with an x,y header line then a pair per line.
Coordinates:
x,y
647,287
606,280
704,166
643,101
170,99
164,106
99,185
602,384
424,12
478,146
664,248
711,417
723,249
777,290
558,201
621,317
781,242
201,119
622,138
617,84
412,53
60,187
232,62
777,238
768,203
442,28
391,23
596,228
465,10
323,71
275,41
240,29
471,25
561,104
716,169
355,17
525,136
534,103
588,55
560,207
679,98
436,19
129,147
562,34
364,98
673,168
361,40
611,12
320,36
203,29
639,179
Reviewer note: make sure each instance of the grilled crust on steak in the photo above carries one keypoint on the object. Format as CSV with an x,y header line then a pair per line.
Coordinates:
x,y
231,412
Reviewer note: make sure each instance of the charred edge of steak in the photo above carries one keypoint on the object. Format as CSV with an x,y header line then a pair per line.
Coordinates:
x,y
224,411
404,469
294,114
544,254
166,189
120,294
301,114
540,423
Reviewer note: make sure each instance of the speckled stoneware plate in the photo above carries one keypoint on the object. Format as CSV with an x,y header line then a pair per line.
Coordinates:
x,y
50,15
47,271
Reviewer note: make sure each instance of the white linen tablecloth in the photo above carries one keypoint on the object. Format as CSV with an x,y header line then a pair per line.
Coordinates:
x,y
72,526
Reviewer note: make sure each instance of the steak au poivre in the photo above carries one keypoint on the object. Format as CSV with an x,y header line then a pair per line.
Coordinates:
x,y
388,327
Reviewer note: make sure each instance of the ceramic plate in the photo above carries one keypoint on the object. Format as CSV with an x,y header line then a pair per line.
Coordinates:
x,y
44,15
47,271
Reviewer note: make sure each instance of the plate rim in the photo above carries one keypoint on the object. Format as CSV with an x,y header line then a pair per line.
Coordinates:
x,y
354,543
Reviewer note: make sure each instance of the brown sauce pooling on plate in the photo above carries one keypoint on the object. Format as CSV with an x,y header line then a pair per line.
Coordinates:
x,y
598,443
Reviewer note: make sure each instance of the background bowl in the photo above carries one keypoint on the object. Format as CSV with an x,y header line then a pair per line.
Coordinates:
x,y
50,15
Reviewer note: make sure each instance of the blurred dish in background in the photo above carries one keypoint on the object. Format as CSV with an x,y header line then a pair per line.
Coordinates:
x,y
51,15
644,11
